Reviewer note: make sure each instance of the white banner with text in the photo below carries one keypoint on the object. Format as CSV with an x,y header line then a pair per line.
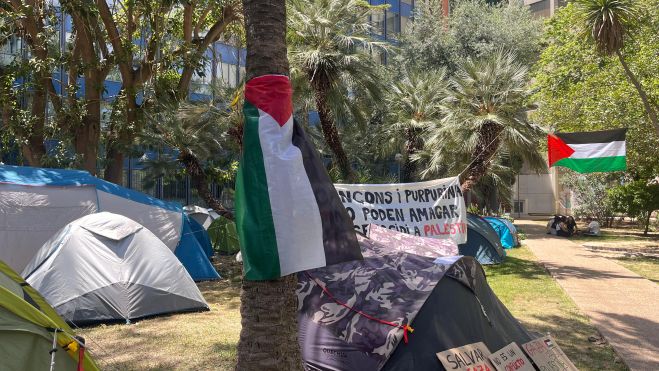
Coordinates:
x,y
434,208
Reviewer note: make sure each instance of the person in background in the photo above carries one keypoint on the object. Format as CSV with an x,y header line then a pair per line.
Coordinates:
x,y
571,225
552,225
593,227
562,229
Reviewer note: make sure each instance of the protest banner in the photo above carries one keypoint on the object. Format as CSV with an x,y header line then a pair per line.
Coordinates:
x,y
511,358
471,357
434,208
547,355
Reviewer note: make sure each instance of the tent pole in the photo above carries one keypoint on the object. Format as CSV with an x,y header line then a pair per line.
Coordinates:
x,y
53,351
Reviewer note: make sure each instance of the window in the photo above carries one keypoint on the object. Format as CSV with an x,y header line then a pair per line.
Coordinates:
x,y
393,25
518,206
403,23
377,22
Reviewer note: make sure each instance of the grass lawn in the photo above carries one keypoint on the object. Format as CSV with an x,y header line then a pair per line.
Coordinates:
x,y
534,298
643,266
189,341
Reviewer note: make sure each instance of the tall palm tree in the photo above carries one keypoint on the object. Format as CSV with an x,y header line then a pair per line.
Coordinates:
x,y
415,106
484,111
268,338
198,131
331,47
608,24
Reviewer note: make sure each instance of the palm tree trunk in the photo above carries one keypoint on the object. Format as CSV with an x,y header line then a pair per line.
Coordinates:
x,y
411,148
488,144
649,109
268,338
198,177
330,132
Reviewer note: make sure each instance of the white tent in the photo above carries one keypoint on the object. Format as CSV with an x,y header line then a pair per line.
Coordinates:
x,y
37,202
201,215
105,267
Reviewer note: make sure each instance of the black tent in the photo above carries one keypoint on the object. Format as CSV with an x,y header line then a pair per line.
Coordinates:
x,y
355,315
482,241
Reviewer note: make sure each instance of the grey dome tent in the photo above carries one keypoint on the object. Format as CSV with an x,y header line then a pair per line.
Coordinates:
x,y
483,243
355,315
106,267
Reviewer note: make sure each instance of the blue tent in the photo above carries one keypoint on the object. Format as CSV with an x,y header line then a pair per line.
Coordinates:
x,y
38,202
482,242
512,229
201,234
504,233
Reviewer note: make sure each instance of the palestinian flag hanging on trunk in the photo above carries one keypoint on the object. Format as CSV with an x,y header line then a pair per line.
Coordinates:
x,y
288,214
589,152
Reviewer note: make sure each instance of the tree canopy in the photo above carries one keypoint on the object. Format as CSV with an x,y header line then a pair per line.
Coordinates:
x,y
578,89
474,29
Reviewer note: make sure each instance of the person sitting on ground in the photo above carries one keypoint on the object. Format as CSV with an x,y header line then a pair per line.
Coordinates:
x,y
551,225
562,229
571,225
593,227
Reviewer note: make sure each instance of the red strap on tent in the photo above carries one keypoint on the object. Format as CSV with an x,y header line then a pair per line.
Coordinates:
x,y
406,328
81,358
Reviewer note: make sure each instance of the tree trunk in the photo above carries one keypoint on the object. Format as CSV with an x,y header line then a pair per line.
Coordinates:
x,y
649,109
268,338
487,146
198,177
647,223
330,132
35,149
88,134
121,138
411,148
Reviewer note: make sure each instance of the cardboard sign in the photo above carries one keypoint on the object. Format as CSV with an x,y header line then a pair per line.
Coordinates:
x,y
547,355
511,358
472,357
428,209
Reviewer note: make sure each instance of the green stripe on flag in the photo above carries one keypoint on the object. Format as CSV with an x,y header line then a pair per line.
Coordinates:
x,y
594,165
253,212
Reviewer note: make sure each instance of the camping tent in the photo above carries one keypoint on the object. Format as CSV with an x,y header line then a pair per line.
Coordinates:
x,y
512,229
202,215
505,234
354,315
201,235
35,203
224,236
482,241
106,267
26,329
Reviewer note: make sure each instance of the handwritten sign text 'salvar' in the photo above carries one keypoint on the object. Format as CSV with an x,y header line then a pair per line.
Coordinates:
x,y
471,357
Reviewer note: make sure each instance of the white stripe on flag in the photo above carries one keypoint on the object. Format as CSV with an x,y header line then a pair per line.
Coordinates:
x,y
295,213
592,150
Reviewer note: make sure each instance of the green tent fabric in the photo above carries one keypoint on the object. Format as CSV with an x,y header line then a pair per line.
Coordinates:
x,y
27,324
224,236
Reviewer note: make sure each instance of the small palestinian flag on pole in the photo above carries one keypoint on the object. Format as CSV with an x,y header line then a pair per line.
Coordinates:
x,y
589,152
288,215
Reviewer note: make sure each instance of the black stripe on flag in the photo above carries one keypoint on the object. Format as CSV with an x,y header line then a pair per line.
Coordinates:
x,y
339,237
584,137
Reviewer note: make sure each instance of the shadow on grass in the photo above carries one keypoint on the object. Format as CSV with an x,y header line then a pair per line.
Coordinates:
x,y
580,341
518,267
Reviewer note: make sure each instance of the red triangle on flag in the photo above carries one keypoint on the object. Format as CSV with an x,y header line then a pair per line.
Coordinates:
x,y
271,94
557,149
